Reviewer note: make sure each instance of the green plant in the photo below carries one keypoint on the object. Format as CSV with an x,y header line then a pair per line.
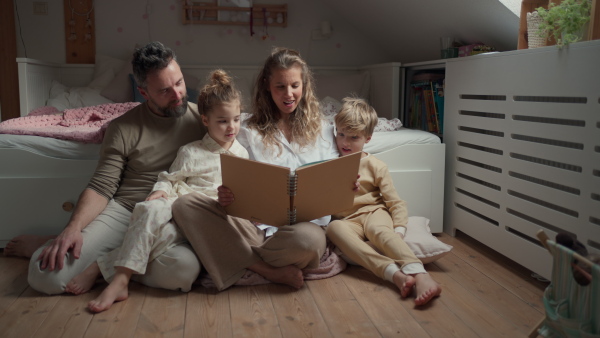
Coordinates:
x,y
564,21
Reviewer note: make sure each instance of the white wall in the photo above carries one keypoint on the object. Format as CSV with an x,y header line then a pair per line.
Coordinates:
x,y
120,25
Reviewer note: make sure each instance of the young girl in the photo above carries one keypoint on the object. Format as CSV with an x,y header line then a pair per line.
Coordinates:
x,y
286,128
196,169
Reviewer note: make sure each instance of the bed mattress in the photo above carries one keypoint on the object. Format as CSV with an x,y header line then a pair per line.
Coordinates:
x,y
63,149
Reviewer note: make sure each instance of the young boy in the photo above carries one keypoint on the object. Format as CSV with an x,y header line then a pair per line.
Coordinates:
x,y
376,212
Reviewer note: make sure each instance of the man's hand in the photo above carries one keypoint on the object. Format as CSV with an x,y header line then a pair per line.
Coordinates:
x,y
225,196
53,256
156,194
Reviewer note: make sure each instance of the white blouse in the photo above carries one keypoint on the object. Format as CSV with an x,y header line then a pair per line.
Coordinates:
x,y
197,167
292,155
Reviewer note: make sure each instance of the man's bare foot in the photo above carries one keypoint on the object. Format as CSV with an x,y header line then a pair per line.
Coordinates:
x,y
116,291
289,275
426,288
84,281
404,282
25,245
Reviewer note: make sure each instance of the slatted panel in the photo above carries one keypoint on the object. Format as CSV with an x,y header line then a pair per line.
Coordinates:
x,y
523,149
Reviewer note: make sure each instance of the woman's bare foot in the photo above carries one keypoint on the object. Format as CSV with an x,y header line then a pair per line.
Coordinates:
x,y
25,245
426,288
289,275
404,282
84,281
116,291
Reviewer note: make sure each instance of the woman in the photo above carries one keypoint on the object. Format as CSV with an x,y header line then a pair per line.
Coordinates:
x,y
285,128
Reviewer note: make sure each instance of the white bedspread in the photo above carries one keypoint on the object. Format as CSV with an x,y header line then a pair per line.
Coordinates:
x,y
63,149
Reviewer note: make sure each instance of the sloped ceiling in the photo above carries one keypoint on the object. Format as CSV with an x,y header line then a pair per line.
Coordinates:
x,y
410,30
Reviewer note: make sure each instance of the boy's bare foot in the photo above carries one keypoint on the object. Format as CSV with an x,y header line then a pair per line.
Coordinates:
x,y
289,275
116,291
25,245
404,282
426,288
84,281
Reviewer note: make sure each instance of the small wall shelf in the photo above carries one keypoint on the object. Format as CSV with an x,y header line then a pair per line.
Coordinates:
x,y
210,14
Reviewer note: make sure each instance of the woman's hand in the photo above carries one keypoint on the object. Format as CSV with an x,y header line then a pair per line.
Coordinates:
x,y
225,196
156,194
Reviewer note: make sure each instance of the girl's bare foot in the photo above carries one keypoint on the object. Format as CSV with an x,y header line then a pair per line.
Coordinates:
x,y
289,275
84,281
25,245
427,288
404,282
116,291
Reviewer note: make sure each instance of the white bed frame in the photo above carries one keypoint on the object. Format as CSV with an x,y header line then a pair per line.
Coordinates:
x,y
34,188
523,149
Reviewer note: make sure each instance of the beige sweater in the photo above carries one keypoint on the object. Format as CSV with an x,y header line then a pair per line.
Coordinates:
x,y
376,192
138,146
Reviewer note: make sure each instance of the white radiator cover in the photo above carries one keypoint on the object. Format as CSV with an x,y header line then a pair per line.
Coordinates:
x,y
522,132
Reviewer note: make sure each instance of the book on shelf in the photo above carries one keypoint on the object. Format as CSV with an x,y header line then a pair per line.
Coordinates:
x,y
276,195
426,105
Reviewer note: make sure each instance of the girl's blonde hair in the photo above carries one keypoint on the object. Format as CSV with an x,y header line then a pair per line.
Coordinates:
x,y
356,116
220,88
305,121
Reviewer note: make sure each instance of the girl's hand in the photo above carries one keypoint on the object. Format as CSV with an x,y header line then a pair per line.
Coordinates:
x,y
156,194
225,196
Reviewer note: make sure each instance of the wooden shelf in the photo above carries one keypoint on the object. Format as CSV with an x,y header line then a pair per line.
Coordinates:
x,y
530,5
210,14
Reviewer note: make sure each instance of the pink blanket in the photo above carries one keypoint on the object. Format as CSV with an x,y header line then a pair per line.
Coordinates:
x,y
86,124
330,265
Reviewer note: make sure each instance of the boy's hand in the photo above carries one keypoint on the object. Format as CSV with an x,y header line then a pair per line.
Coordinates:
x,y
156,194
225,196
356,184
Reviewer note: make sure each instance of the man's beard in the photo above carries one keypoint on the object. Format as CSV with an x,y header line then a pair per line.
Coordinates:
x,y
176,111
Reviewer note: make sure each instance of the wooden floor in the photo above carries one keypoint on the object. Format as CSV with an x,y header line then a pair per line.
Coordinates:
x,y
484,295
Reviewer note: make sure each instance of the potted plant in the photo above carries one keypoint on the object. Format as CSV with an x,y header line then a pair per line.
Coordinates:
x,y
565,21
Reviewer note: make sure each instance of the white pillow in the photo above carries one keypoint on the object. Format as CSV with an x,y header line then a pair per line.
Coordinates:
x,y
105,63
330,107
62,97
418,237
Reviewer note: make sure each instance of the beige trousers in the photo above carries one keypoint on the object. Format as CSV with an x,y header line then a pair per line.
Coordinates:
x,y
227,245
176,269
150,234
350,236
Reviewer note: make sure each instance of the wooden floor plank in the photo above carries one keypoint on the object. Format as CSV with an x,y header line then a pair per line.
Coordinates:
x,y
484,295
162,314
13,281
489,291
481,317
122,318
504,271
69,317
382,303
208,314
341,311
27,314
297,312
434,318
252,312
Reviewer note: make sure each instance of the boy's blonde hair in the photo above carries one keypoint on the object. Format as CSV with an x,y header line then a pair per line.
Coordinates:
x,y
356,116
305,121
219,89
